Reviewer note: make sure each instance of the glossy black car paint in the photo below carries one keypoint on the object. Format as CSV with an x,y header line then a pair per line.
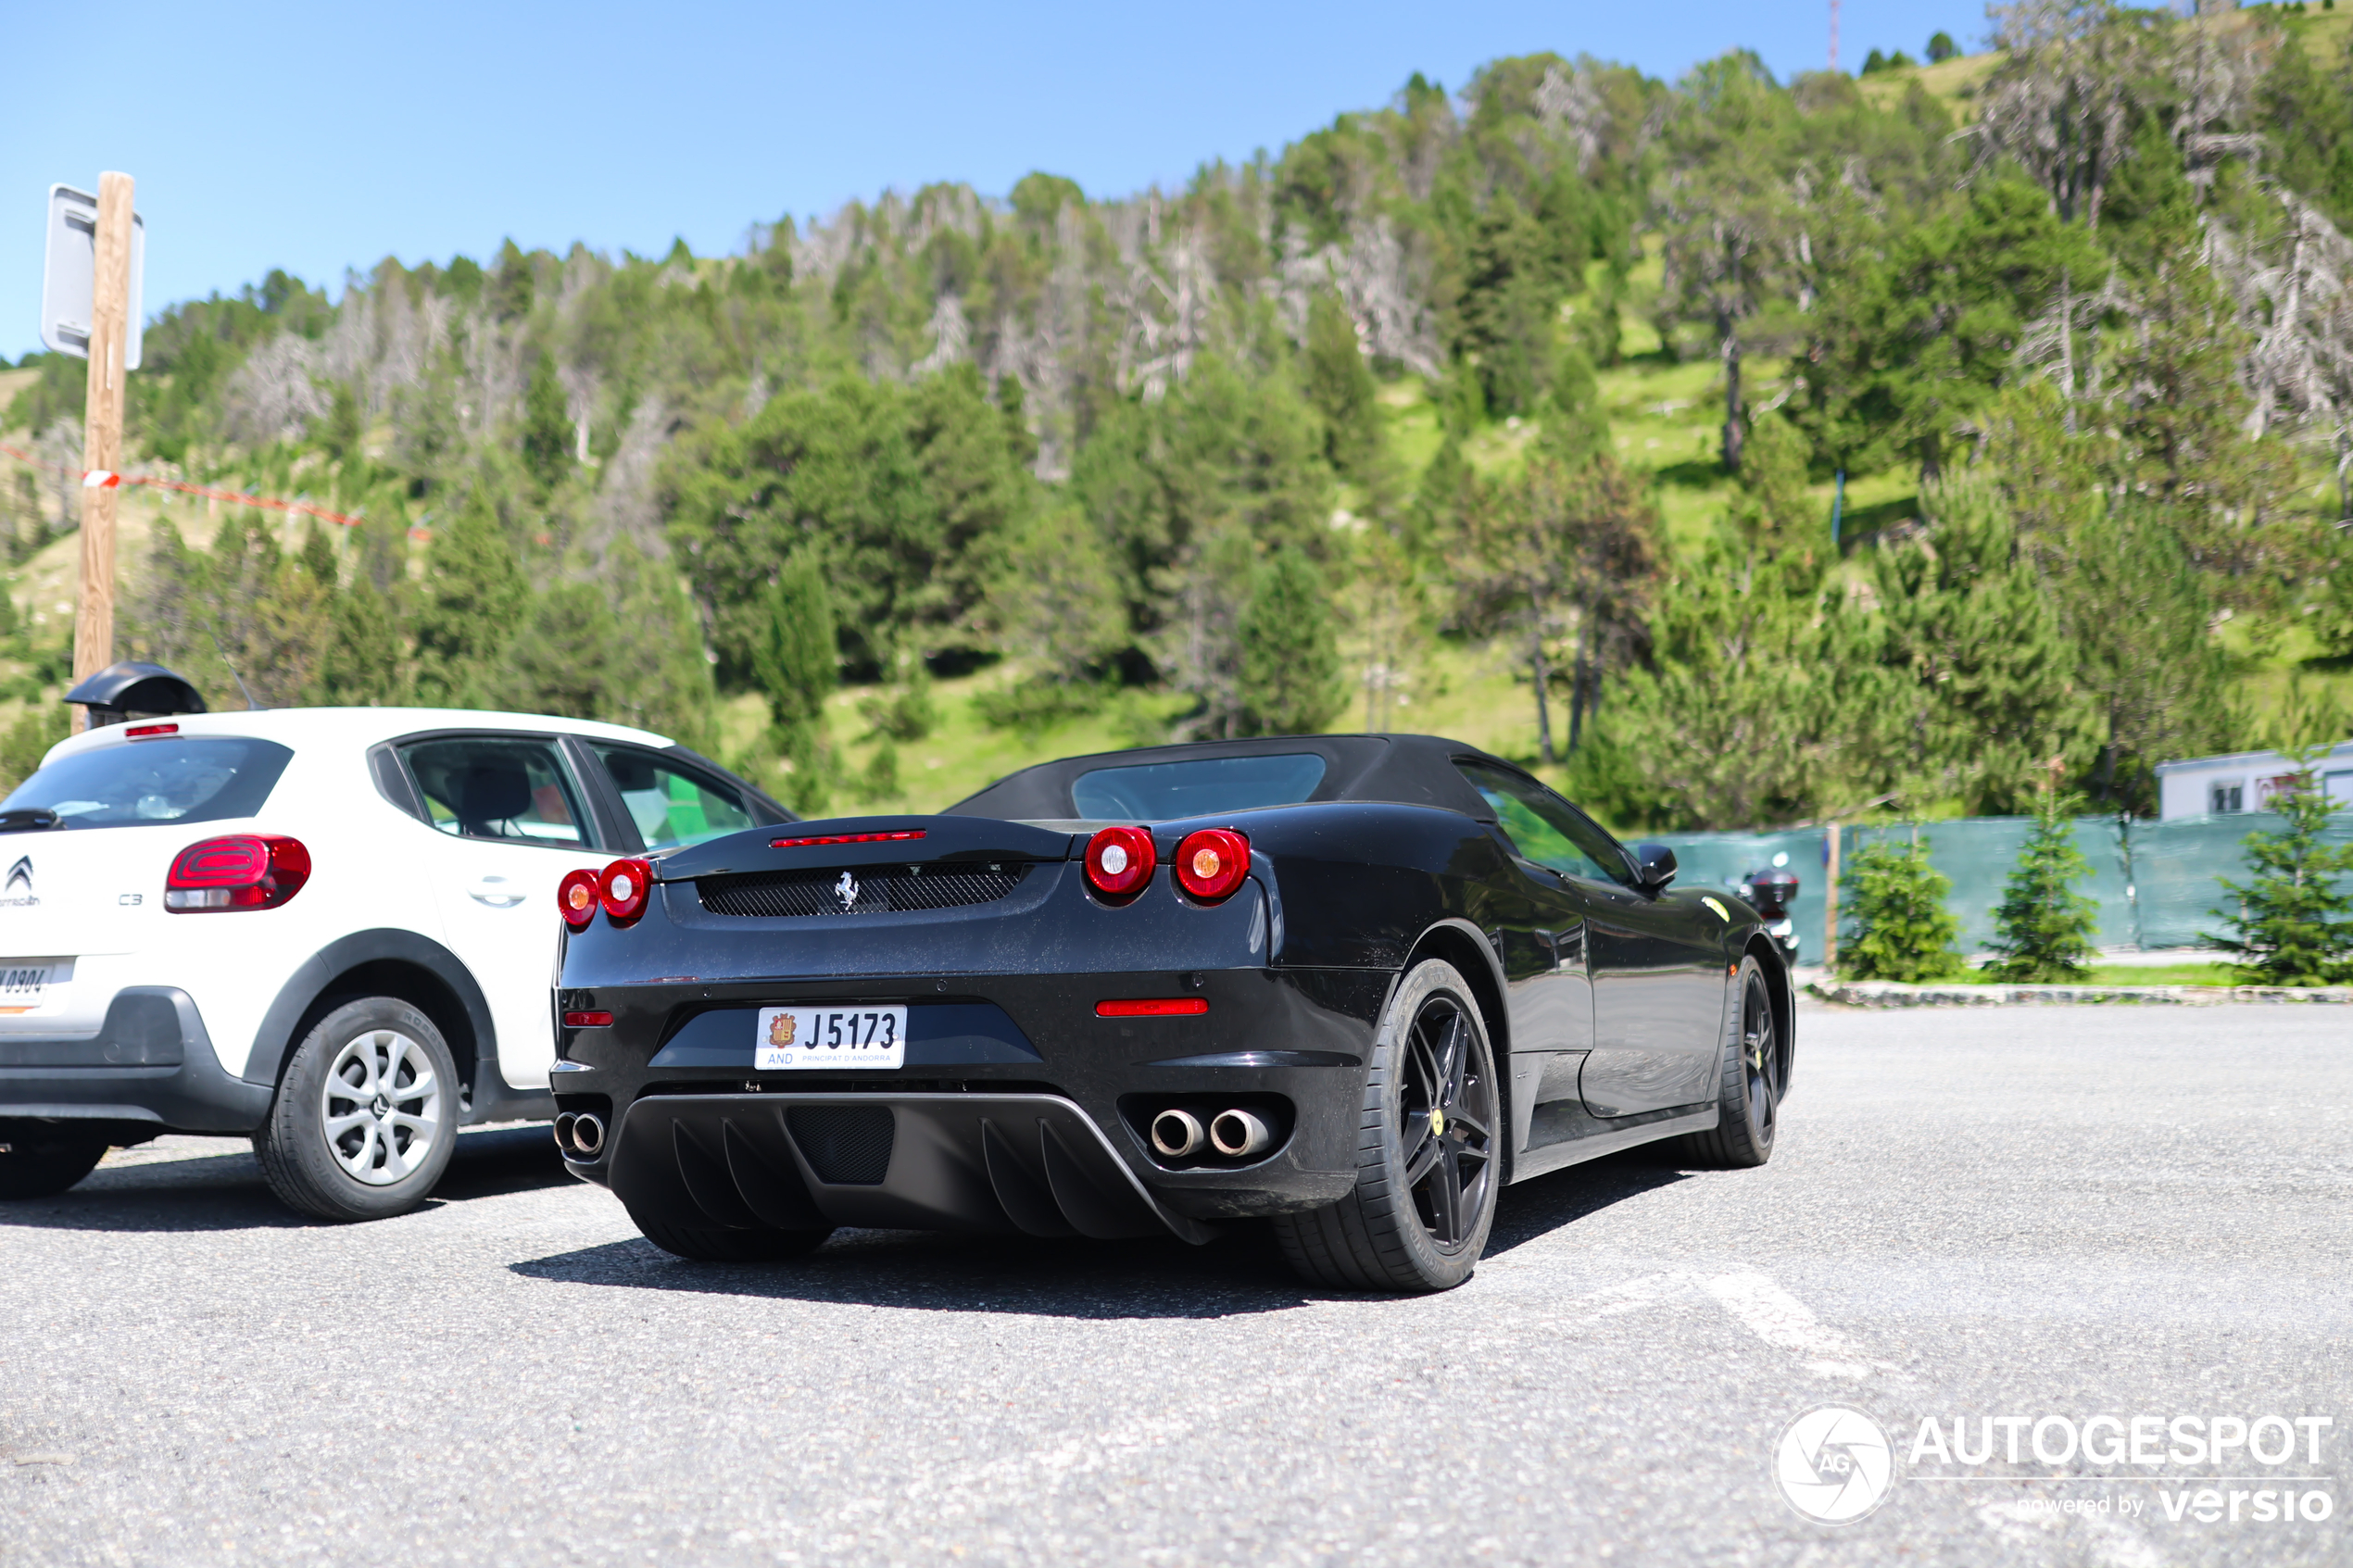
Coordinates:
x,y
1607,1002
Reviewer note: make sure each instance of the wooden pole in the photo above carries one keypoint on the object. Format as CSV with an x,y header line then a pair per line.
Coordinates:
x,y
1829,901
102,432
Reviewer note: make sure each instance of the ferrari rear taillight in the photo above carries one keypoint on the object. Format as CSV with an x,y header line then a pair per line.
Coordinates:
x,y
244,870
622,888
577,897
1119,861
1211,863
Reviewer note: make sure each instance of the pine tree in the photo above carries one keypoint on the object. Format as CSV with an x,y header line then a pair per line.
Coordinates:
x,y
797,666
1341,387
2043,927
1290,650
474,599
362,665
546,427
1903,931
2293,923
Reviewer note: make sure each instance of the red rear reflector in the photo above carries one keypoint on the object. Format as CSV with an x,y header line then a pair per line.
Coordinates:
x,y
1155,1007
899,837
141,731
242,871
587,1019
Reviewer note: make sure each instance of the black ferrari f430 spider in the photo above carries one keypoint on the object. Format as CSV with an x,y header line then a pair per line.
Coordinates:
x,y
1351,985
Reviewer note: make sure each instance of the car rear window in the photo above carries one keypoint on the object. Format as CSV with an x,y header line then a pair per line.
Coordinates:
x,y
179,779
1154,792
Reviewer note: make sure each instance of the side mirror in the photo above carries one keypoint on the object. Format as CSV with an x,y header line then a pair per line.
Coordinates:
x,y
1654,866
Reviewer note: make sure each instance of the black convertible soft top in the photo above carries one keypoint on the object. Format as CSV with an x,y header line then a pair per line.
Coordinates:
x,y
1405,770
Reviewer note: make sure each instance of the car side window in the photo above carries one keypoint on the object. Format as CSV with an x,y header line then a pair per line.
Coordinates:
x,y
499,786
1544,827
671,802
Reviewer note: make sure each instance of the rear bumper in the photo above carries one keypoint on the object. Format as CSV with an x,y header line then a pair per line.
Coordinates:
x,y
1031,1164
1019,1110
151,1063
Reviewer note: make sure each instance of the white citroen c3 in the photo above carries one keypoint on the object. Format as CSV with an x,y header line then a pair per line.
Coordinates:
x,y
332,931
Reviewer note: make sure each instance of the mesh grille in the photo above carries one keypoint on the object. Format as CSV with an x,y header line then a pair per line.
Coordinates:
x,y
848,1145
880,889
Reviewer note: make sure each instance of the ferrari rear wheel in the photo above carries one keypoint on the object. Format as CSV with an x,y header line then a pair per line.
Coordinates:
x,y
719,1244
1427,1159
1756,1073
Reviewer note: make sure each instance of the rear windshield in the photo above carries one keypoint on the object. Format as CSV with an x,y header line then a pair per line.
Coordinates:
x,y
1154,792
182,779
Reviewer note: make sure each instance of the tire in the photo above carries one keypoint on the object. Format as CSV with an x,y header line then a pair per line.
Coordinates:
x,y
719,1244
44,1163
1426,1185
1756,1074
334,1150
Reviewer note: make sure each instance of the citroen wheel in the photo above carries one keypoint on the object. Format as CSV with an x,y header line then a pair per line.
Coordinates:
x,y
366,1115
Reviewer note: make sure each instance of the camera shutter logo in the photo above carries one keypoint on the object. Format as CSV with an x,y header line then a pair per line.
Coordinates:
x,y
1834,1464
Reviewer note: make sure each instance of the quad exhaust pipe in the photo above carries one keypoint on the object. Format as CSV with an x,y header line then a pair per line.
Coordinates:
x,y
1178,1133
582,1135
1236,1134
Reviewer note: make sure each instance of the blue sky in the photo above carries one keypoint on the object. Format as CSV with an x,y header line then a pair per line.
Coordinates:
x,y
319,137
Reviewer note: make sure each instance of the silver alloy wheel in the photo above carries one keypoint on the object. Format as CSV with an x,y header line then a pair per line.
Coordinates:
x,y
380,1107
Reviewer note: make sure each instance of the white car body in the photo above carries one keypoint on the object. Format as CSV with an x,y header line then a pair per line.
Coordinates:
x,y
97,976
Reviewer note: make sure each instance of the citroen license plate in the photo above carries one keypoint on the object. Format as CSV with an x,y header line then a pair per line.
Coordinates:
x,y
28,985
797,1039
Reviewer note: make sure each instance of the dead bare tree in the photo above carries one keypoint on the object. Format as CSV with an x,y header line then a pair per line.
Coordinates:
x,y
2061,103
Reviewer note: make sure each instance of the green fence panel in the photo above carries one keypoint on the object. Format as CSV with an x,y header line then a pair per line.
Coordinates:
x,y
2153,883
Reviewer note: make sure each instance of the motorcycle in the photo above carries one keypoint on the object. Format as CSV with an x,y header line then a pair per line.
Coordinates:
x,y
1770,890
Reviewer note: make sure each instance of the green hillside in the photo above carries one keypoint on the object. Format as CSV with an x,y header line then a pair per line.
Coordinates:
x,y
1366,434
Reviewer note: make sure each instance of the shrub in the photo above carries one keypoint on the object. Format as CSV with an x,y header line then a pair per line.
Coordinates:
x,y
2044,928
1902,929
2291,926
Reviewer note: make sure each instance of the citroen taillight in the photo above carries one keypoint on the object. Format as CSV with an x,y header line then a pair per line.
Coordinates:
x,y
244,870
1119,861
622,887
1211,863
577,897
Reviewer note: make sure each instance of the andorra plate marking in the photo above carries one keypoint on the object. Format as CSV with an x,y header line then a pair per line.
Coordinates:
x,y
829,1038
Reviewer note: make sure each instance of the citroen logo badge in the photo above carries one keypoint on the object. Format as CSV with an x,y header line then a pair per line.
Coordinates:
x,y
846,891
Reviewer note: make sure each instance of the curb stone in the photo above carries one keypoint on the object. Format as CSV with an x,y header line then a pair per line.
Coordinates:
x,y
1891,994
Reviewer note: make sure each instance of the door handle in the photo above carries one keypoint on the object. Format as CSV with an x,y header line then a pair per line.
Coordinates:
x,y
496,892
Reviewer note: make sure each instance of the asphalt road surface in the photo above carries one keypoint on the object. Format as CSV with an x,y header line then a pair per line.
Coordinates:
x,y
1997,1213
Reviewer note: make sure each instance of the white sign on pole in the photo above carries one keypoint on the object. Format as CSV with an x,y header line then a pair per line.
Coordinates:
x,y
69,277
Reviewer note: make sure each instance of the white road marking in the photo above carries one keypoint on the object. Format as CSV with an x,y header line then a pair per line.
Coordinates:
x,y
1758,1303
1783,1322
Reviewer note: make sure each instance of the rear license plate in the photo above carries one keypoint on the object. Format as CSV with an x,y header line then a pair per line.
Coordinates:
x,y
794,1039
28,984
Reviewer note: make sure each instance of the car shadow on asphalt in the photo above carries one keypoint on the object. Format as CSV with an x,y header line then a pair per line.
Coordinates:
x,y
1240,1273
225,1191
1531,1210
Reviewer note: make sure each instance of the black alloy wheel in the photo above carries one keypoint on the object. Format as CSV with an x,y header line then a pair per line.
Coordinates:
x,y
1428,1162
1760,1060
1446,1121
1755,1076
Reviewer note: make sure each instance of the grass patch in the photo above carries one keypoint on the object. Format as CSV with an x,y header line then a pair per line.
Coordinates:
x,y
2134,975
